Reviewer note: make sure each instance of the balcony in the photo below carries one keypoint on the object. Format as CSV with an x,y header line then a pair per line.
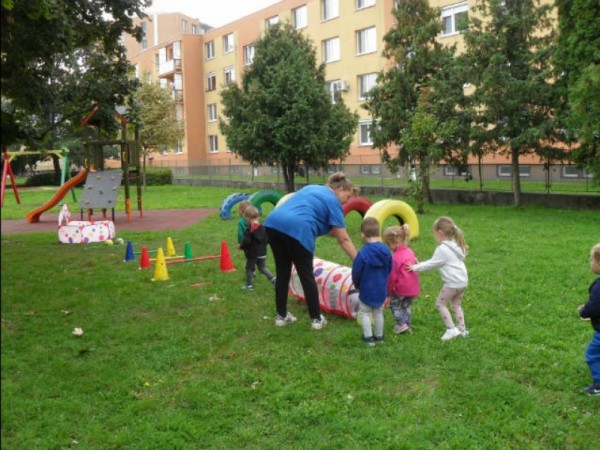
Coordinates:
x,y
169,67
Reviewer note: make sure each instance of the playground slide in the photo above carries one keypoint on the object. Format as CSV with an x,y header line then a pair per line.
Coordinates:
x,y
34,216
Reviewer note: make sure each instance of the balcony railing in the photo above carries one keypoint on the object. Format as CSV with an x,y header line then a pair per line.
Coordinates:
x,y
169,67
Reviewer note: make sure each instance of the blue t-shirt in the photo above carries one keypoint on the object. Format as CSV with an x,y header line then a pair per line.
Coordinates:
x,y
312,211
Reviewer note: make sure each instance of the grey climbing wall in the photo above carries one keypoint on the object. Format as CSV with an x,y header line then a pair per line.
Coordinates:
x,y
101,189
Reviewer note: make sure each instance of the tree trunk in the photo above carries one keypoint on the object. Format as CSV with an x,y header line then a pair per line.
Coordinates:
x,y
144,172
56,165
288,176
480,170
516,178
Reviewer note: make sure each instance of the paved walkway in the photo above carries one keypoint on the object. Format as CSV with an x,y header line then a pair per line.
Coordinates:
x,y
152,220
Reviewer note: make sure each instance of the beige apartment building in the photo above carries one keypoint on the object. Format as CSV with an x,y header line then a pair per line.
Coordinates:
x,y
196,61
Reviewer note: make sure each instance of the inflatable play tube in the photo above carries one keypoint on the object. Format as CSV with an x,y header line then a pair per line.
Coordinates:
x,y
260,197
229,203
382,209
334,283
284,199
360,204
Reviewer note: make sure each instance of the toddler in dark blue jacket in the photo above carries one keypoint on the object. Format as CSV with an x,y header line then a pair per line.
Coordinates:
x,y
370,271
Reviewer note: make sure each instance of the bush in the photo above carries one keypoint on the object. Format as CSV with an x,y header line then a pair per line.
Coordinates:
x,y
41,179
159,177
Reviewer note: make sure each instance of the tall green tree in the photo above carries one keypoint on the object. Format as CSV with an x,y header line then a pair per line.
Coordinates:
x,y
59,58
282,114
577,60
509,45
155,116
420,68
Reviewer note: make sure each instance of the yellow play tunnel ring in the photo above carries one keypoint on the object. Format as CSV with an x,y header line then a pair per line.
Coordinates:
x,y
383,209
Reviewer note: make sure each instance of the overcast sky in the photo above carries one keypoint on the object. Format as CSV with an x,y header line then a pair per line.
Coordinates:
x,y
215,13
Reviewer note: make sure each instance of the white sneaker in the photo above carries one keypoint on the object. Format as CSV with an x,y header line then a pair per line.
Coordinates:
x,y
451,333
464,333
317,324
283,321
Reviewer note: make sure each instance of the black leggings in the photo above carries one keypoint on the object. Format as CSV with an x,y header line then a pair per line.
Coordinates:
x,y
288,251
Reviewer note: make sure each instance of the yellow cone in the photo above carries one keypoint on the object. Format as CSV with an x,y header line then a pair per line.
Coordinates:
x,y
160,268
170,248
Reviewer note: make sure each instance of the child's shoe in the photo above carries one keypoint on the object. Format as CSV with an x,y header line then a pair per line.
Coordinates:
x,y
370,341
451,333
593,389
398,329
274,280
248,287
378,339
317,324
283,321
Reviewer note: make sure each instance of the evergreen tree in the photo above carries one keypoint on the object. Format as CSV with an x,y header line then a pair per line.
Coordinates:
x,y
282,114
577,60
508,57
421,86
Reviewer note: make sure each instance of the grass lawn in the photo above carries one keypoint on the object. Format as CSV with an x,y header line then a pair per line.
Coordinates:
x,y
170,365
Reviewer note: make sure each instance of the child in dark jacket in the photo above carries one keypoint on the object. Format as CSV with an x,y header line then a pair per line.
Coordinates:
x,y
254,243
591,310
370,271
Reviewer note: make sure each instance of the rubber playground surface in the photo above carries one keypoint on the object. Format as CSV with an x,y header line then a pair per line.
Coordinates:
x,y
152,220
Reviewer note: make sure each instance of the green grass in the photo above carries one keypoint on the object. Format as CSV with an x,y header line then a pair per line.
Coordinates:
x,y
166,365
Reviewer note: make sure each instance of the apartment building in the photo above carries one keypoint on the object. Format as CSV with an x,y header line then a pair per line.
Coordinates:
x,y
197,61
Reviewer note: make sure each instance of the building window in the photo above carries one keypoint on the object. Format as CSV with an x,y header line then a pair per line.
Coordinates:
x,y
144,36
360,4
228,43
336,88
212,112
272,21
209,50
506,171
184,25
365,169
331,50
330,9
229,75
300,17
248,54
211,81
454,18
213,143
365,84
364,132
366,41
375,169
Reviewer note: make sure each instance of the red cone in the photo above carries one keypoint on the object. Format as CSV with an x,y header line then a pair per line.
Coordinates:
x,y
145,259
226,262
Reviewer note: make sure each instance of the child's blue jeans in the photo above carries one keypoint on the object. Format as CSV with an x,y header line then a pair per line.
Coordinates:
x,y
592,357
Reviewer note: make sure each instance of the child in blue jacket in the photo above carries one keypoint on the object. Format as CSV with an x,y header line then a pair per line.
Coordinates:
x,y
370,271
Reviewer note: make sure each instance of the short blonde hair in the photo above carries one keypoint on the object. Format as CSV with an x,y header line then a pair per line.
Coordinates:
x,y
370,227
595,253
251,212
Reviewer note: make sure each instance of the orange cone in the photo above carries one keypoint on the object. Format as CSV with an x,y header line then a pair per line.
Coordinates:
x,y
160,269
145,259
226,262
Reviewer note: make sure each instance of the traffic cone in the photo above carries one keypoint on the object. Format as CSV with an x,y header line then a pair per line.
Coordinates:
x,y
170,248
145,259
187,253
129,255
226,262
160,268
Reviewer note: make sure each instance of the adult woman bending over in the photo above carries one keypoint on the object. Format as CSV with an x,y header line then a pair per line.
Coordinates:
x,y
293,228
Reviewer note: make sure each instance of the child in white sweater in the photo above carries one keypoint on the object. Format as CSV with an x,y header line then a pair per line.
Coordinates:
x,y
449,258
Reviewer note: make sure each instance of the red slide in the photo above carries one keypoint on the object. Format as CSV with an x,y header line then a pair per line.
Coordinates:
x,y
34,216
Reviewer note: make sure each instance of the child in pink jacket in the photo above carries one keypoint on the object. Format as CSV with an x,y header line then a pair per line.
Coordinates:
x,y
403,284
